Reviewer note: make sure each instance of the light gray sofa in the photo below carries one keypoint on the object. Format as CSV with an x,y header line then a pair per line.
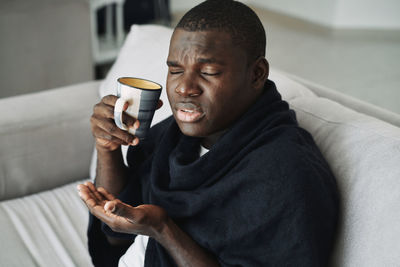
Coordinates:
x,y
46,149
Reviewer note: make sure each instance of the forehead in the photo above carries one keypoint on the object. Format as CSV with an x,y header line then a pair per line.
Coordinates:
x,y
213,43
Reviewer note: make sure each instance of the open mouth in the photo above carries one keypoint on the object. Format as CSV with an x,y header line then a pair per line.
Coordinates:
x,y
188,112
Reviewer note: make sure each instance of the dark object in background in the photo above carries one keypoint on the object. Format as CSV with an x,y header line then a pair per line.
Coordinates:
x,y
146,11
135,12
139,12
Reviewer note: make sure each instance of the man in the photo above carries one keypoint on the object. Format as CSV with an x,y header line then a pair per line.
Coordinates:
x,y
229,180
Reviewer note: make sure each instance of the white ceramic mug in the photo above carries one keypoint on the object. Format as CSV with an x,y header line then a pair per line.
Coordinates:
x,y
142,97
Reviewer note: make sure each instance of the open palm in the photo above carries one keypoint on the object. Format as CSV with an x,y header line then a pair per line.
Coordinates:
x,y
120,217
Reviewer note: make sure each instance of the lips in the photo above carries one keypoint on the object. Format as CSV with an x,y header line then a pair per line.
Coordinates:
x,y
188,112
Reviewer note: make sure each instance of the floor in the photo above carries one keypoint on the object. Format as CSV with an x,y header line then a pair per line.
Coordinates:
x,y
362,63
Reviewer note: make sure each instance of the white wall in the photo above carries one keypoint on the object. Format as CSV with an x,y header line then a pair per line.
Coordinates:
x,y
182,5
43,44
369,14
316,11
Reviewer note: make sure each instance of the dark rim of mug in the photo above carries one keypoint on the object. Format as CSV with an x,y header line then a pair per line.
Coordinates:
x,y
142,80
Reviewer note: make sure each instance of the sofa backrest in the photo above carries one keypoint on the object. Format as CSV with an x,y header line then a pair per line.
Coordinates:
x,y
349,101
364,154
45,139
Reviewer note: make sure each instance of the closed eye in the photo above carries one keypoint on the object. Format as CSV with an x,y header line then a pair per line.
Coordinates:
x,y
175,72
211,74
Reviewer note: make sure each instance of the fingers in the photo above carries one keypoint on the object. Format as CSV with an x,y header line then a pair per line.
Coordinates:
x,y
96,201
88,191
105,193
126,211
104,129
109,100
95,194
120,217
86,196
159,104
116,215
107,130
109,145
105,109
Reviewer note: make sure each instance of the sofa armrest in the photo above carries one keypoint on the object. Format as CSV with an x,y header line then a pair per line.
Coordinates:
x,y
45,139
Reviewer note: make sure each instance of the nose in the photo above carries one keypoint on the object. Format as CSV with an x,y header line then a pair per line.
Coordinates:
x,y
188,86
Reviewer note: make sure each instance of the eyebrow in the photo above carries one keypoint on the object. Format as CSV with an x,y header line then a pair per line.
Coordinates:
x,y
208,60
171,63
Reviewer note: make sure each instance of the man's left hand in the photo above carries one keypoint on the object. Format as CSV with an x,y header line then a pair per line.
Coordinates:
x,y
120,217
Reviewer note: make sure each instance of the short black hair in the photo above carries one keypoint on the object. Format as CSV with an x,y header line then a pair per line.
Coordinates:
x,y
233,17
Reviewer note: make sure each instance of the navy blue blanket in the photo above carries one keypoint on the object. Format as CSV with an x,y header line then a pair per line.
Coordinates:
x,y
262,196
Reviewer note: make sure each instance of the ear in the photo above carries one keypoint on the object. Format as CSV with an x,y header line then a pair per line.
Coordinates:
x,y
260,72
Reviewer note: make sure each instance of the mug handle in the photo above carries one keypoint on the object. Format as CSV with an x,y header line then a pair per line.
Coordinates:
x,y
118,109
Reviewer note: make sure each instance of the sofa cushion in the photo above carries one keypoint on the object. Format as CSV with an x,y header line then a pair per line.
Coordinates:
x,y
364,154
45,229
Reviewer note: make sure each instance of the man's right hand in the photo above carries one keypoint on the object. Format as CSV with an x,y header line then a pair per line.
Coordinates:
x,y
111,172
108,136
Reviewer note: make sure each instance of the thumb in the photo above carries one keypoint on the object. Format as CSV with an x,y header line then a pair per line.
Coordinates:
x,y
110,206
119,208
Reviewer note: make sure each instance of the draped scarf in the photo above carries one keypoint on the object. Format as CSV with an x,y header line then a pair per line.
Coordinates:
x,y
224,197
262,196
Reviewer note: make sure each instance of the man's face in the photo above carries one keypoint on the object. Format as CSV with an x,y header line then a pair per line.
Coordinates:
x,y
208,83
